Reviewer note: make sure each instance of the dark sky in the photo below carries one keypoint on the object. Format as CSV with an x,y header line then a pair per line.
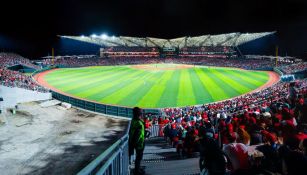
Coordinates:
x,y
30,27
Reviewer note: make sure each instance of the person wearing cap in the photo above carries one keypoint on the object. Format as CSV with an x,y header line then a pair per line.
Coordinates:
x,y
137,139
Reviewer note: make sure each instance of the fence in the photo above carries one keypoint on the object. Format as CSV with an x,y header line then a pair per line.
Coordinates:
x,y
101,108
155,130
278,71
113,161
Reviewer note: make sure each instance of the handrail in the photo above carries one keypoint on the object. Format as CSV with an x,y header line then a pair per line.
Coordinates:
x,y
91,167
113,150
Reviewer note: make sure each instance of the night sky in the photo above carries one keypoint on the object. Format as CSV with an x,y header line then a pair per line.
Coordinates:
x,y
30,28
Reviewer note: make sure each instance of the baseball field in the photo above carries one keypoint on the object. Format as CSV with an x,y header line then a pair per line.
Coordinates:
x,y
154,85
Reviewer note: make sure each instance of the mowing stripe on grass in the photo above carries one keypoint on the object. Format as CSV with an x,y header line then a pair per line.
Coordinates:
x,y
186,94
201,93
80,78
214,89
227,88
262,76
235,85
169,96
117,96
255,81
65,72
83,83
73,73
239,79
116,77
151,99
108,84
77,76
99,95
134,97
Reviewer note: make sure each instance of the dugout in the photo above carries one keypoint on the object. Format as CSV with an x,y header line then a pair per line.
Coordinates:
x,y
21,68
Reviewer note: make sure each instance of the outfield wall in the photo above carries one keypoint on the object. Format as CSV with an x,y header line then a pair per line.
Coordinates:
x,y
100,108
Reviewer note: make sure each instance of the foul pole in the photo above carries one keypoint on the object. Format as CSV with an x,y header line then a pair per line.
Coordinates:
x,y
276,56
52,52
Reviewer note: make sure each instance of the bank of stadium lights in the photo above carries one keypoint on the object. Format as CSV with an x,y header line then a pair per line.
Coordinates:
x,y
94,36
103,36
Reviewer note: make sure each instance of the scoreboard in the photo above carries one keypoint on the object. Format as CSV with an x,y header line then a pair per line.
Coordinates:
x,y
169,52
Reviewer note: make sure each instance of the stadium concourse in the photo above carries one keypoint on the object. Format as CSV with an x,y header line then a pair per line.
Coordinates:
x,y
260,132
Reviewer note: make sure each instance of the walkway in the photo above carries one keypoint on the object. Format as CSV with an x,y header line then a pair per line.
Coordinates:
x,y
161,159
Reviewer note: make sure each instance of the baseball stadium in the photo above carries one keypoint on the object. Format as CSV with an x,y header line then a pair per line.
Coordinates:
x,y
168,82
182,87
153,88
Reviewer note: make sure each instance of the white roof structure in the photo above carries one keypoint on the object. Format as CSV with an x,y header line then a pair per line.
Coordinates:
x,y
230,39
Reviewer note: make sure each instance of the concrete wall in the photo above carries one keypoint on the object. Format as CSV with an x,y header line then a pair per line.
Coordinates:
x,y
13,96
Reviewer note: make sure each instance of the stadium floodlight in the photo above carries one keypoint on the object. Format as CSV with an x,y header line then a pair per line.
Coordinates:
x,y
113,37
94,36
103,36
82,36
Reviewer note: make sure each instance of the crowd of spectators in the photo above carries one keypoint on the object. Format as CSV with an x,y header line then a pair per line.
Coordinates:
x,y
129,52
230,62
207,61
12,59
16,79
263,132
131,49
97,61
12,78
294,68
205,50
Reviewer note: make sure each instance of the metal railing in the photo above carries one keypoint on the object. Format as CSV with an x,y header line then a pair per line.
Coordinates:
x,y
155,130
113,161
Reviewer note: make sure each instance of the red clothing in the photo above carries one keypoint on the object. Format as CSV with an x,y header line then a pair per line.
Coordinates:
x,y
238,155
301,136
147,125
166,121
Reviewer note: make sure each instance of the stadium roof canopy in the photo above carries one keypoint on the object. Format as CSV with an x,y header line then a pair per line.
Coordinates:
x,y
230,39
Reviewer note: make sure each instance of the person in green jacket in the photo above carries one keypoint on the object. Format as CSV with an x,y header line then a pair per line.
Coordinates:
x,y
137,139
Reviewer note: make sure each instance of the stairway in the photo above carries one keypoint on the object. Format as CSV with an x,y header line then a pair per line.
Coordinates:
x,y
161,159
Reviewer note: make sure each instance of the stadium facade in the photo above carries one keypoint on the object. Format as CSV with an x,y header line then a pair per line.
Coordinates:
x,y
214,45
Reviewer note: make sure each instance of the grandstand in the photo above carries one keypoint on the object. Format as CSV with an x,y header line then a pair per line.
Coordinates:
x,y
209,45
231,39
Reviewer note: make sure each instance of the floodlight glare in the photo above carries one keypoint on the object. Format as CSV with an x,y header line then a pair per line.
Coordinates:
x,y
94,36
82,36
113,37
103,36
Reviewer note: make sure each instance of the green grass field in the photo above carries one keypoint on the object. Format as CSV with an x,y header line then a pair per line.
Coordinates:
x,y
157,88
